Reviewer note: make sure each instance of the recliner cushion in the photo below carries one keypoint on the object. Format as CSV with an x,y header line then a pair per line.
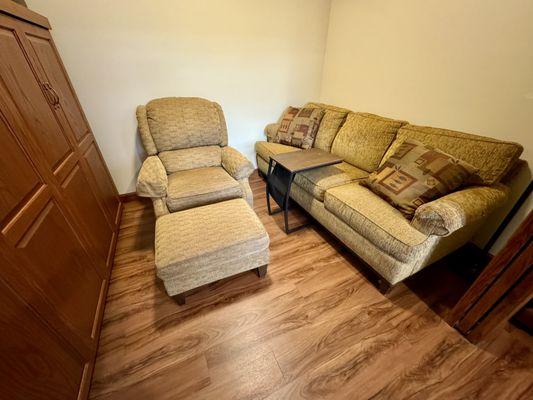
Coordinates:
x,y
317,181
195,157
200,186
375,219
183,122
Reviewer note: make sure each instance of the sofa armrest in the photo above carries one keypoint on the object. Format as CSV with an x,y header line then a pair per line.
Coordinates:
x,y
152,180
237,165
271,131
449,213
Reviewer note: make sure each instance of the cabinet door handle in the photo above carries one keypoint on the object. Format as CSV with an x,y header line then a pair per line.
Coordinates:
x,y
46,89
51,95
56,96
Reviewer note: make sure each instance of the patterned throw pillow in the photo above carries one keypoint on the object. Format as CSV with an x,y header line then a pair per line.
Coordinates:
x,y
284,125
299,126
416,174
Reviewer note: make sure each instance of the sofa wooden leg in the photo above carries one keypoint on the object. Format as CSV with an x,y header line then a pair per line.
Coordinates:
x,y
262,271
383,286
180,299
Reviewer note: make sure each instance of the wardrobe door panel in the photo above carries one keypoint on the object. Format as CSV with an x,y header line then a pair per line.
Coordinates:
x,y
50,63
85,206
57,263
106,189
18,180
29,98
33,363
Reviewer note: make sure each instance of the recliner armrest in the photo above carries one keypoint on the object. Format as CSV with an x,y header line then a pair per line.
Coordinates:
x,y
236,164
271,130
449,213
152,180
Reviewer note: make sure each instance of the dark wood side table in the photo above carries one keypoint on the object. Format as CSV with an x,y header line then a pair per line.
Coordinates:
x,y
281,174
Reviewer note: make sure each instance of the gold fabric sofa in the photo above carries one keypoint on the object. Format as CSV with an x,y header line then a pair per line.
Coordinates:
x,y
380,235
189,163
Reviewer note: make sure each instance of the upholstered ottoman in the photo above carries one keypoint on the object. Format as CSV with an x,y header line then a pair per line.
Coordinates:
x,y
204,244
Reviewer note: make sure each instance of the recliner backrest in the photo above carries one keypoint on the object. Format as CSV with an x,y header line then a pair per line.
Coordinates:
x,y
174,123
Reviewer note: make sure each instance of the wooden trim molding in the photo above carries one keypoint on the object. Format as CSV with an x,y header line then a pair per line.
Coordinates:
x,y
16,10
130,196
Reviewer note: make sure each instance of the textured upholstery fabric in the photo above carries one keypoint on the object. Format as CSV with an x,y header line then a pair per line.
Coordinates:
x,y
267,149
187,257
317,181
374,218
393,270
364,138
454,211
262,165
331,122
195,157
200,186
271,131
184,122
416,174
246,190
302,127
144,130
152,180
160,206
493,158
236,164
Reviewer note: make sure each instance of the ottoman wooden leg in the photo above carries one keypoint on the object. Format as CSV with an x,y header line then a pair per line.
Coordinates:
x,y
180,299
262,271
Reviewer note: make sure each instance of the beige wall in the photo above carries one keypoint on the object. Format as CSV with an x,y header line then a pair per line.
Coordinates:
x,y
457,64
252,56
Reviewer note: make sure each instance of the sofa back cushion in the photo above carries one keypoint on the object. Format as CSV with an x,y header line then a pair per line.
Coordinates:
x,y
493,158
194,157
331,122
184,122
364,138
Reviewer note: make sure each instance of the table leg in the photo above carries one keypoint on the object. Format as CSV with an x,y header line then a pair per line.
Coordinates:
x,y
286,203
268,185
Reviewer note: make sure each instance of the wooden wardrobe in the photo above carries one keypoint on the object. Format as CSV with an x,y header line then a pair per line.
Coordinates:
x,y
59,214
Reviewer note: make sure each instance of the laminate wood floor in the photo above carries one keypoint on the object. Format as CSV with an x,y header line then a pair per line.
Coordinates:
x,y
314,328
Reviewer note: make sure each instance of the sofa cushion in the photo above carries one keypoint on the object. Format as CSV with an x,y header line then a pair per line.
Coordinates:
x,y
195,157
317,181
364,138
183,122
201,186
416,174
331,122
494,158
375,219
267,149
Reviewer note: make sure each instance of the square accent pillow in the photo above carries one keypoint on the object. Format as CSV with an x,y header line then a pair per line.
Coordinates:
x,y
416,174
299,127
285,123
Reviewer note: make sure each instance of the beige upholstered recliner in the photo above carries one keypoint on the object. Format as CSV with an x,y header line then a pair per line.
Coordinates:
x,y
189,163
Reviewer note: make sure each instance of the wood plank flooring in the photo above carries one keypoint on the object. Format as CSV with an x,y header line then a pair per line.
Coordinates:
x,y
314,328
